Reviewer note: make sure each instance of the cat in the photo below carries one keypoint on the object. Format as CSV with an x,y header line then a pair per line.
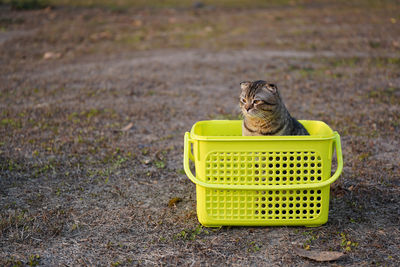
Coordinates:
x,y
264,111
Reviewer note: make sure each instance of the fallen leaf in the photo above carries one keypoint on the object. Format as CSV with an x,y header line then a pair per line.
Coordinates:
x,y
51,55
173,201
208,29
101,36
172,20
318,255
137,23
127,127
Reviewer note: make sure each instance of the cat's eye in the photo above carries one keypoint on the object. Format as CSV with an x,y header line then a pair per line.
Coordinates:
x,y
258,102
243,100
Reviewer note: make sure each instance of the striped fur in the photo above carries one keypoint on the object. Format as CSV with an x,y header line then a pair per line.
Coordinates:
x,y
265,113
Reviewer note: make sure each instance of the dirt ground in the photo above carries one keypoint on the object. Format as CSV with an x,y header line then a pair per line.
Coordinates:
x,y
76,188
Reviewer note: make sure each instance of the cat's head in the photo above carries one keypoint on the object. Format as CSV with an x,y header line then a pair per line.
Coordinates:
x,y
258,98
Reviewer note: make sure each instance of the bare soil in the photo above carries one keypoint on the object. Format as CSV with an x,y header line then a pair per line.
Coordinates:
x,y
76,189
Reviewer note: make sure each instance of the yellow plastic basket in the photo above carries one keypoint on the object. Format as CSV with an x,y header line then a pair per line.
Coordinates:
x,y
260,180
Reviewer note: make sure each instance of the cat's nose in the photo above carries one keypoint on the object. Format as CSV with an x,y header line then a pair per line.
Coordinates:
x,y
248,106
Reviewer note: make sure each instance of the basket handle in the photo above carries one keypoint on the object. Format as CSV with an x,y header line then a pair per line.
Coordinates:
x,y
191,157
187,155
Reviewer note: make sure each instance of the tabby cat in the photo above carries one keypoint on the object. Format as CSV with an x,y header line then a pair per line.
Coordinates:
x,y
264,112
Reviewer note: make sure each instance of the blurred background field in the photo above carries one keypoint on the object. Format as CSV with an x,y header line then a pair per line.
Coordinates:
x,y
184,3
91,26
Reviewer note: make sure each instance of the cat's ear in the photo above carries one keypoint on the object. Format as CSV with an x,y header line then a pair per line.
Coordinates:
x,y
244,85
271,87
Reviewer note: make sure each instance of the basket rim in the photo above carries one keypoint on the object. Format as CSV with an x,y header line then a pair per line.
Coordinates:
x,y
198,137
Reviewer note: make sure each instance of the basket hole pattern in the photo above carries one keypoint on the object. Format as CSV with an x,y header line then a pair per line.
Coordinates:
x,y
265,205
264,168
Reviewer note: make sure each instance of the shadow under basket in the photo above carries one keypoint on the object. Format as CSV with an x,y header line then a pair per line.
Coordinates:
x,y
261,180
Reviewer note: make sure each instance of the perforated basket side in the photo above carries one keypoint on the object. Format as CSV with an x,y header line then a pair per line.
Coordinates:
x,y
272,205
264,168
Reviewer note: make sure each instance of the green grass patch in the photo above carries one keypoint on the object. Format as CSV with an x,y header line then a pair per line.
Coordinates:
x,y
191,234
388,95
26,4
